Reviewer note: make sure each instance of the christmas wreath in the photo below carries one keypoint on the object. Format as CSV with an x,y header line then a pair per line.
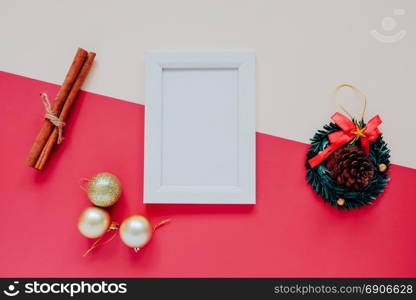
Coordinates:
x,y
348,160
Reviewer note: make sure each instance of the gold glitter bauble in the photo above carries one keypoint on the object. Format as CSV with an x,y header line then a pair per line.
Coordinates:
x,y
340,201
104,189
382,167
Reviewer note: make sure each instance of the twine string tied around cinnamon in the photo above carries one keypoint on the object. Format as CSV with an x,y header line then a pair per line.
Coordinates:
x,y
53,118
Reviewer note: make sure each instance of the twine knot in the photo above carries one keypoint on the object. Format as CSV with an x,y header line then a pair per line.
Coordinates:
x,y
53,118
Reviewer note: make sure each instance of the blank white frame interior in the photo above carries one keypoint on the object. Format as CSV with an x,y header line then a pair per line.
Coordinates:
x,y
200,127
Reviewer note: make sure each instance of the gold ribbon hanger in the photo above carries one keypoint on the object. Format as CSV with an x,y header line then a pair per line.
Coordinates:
x,y
358,92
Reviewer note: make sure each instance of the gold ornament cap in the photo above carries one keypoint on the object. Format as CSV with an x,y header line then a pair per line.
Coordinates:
x,y
104,189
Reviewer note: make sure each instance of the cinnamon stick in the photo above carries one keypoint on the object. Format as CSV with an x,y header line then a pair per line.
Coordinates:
x,y
47,149
57,105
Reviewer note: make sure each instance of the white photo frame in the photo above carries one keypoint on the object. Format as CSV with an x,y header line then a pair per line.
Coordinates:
x,y
200,127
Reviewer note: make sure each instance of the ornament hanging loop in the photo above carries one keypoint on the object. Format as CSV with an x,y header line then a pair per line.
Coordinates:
x,y
358,92
114,226
161,224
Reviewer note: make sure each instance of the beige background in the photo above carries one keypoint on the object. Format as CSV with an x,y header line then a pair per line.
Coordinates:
x,y
304,49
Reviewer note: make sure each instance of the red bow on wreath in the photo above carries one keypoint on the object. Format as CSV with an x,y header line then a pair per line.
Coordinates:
x,y
350,132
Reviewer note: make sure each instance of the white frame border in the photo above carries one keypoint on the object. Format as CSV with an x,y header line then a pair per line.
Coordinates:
x,y
244,62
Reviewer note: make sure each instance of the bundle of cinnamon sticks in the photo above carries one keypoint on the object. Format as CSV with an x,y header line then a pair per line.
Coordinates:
x,y
64,100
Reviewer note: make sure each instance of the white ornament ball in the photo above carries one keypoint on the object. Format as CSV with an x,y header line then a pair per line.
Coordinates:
x,y
93,222
136,231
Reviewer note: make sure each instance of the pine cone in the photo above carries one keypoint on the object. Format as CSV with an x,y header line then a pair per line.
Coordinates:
x,y
350,167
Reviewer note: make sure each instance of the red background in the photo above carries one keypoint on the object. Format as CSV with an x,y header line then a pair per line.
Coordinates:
x,y
290,232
